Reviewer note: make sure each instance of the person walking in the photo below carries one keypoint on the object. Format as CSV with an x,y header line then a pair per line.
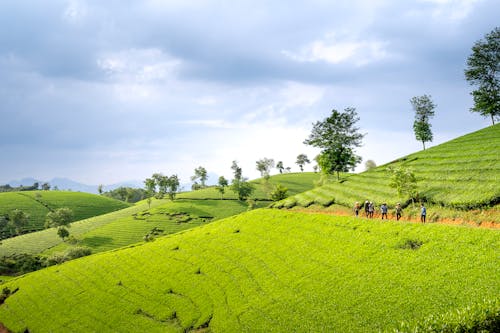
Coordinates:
x,y
399,211
367,208
423,213
357,207
383,209
371,209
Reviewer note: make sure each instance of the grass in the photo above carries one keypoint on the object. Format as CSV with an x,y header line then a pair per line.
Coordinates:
x,y
38,203
265,270
460,174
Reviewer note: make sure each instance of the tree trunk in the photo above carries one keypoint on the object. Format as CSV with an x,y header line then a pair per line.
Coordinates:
x,y
423,144
492,119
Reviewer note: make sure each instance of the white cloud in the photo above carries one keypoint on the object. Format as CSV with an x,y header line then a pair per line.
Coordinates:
x,y
337,50
453,10
75,11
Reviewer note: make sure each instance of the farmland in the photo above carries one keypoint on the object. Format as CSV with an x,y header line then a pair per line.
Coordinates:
x,y
265,270
460,174
38,203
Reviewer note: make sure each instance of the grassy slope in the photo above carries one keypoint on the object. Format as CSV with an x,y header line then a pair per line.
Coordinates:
x,y
122,228
295,182
38,203
266,270
461,173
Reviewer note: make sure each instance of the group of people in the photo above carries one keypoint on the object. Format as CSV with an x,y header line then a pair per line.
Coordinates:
x,y
369,209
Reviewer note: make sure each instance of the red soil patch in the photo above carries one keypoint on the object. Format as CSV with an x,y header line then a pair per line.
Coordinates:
x,y
483,224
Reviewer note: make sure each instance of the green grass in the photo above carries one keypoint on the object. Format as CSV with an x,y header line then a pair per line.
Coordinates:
x,y
463,173
294,182
38,203
263,271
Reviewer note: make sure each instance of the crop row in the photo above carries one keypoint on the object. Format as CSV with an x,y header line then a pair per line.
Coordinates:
x,y
262,271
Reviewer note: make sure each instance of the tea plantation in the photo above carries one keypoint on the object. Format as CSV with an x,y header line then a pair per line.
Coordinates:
x,y
263,271
463,173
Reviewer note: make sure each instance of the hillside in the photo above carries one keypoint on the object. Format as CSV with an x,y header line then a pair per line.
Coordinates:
x,y
131,225
38,203
265,270
462,173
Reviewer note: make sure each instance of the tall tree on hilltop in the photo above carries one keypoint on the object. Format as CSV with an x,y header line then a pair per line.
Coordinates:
x,y
424,111
337,136
264,167
201,174
483,71
280,166
302,160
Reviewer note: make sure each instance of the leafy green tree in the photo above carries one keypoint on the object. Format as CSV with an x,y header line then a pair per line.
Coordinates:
x,y
237,171
302,159
280,166
100,188
242,188
264,167
173,184
60,218
424,110
483,71
404,181
45,186
279,193
221,186
17,220
201,174
337,136
150,184
370,164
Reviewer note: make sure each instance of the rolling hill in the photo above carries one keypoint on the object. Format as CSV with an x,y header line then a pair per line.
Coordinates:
x,y
265,270
463,173
38,203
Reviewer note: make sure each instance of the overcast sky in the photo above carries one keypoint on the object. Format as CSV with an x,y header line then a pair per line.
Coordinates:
x,y
107,91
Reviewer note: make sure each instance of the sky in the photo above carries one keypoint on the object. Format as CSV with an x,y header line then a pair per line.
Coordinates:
x,y
109,91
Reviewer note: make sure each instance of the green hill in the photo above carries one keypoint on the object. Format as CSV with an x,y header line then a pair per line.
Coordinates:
x,y
264,271
295,183
130,225
461,173
38,203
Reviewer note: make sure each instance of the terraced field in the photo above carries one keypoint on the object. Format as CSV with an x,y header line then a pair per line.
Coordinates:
x,y
463,173
38,203
294,182
263,271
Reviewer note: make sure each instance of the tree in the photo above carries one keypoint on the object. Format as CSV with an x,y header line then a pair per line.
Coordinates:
x,y
60,218
337,136
17,220
424,110
236,170
45,186
302,159
404,181
483,71
100,188
221,186
279,193
201,174
280,166
150,186
242,188
370,164
264,167
173,184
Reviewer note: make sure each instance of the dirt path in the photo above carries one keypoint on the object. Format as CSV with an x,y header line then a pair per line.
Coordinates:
x,y
483,224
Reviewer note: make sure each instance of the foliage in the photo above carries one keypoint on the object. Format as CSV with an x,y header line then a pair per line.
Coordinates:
x,y
16,264
201,174
280,166
221,186
242,188
370,164
404,181
424,110
261,271
279,193
337,136
159,185
264,167
127,194
483,71
60,217
17,219
302,160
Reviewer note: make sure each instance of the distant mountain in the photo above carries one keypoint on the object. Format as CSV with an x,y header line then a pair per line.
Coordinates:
x,y
68,184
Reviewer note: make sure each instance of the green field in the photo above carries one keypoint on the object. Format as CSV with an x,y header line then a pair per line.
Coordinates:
x,y
38,203
263,271
463,173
